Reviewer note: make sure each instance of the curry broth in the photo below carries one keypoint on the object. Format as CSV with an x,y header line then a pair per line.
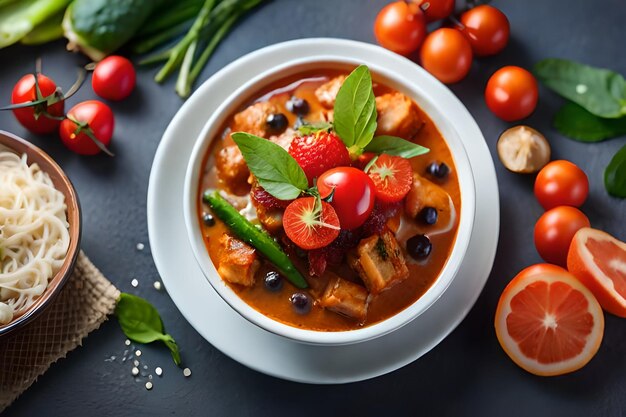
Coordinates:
x,y
276,305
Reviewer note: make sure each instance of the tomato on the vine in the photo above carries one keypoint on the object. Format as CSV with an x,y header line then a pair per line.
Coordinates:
x,y
39,118
392,177
351,194
555,230
561,183
400,27
446,54
512,93
88,128
486,28
113,78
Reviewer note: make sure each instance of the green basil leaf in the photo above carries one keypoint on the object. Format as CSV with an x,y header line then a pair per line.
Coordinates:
x,y
577,123
615,174
598,90
277,172
393,145
310,128
173,347
354,115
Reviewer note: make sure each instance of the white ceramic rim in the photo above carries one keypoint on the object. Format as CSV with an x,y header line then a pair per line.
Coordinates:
x,y
416,90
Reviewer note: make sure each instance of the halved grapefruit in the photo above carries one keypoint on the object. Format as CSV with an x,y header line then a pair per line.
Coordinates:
x,y
548,322
598,260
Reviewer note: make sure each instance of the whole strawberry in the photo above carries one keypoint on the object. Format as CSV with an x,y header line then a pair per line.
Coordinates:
x,y
319,152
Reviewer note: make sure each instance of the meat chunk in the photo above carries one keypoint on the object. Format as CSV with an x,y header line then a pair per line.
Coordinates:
x,y
237,261
397,116
253,119
232,169
379,262
345,297
424,193
284,139
327,92
270,218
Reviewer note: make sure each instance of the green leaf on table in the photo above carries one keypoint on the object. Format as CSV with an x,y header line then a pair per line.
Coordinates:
x,y
141,323
277,172
577,123
615,174
393,145
310,128
600,91
354,115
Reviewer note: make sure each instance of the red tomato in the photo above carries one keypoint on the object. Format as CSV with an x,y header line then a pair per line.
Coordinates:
x,y
447,55
436,9
512,93
39,118
308,228
392,177
561,183
87,122
486,28
400,27
554,232
113,78
353,196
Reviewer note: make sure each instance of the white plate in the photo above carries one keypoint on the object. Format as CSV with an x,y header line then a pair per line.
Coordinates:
x,y
272,354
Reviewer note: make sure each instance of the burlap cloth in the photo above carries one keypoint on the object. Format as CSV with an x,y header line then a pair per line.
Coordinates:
x,y
83,304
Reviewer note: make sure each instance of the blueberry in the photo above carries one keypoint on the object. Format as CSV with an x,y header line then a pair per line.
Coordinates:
x,y
208,219
440,170
298,106
300,302
428,215
276,122
419,246
273,281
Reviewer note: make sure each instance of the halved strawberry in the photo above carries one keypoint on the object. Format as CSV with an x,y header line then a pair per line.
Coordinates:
x,y
392,176
318,153
311,223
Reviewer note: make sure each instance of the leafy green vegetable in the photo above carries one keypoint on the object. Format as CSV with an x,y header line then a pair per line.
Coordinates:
x,y
393,145
600,91
310,128
45,32
577,123
19,18
255,236
615,174
355,110
141,323
273,167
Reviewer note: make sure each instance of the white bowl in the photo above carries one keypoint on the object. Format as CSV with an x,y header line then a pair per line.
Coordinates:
x,y
420,90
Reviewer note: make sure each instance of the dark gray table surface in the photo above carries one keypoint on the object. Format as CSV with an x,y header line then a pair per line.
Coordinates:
x,y
467,374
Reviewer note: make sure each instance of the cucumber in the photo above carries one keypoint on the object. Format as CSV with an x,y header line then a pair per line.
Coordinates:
x,y
254,236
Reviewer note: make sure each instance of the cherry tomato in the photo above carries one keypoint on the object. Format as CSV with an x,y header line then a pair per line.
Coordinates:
x,y
554,232
86,121
309,227
436,9
512,93
447,54
37,118
561,183
352,192
400,27
392,177
113,78
486,28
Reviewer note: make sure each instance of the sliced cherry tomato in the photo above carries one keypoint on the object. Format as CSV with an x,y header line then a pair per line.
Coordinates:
x,y
310,226
486,28
392,177
352,193
447,54
436,9
88,128
113,78
400,27
40,118
554,232
561,183
512,93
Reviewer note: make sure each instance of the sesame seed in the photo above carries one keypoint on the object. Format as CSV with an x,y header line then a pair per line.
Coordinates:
x,y
148,385
134,371
150,377
158,371
145,367
136,362
140,246
187,372
134,282
157,285
137,352
127,342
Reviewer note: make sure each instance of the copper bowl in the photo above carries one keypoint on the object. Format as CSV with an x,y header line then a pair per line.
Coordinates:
x,y
20,146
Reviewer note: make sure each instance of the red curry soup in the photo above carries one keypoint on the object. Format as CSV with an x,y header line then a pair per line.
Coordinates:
x,y
367,273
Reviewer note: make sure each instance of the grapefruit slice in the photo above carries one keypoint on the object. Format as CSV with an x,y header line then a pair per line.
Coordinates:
x,y
548,322
598,260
